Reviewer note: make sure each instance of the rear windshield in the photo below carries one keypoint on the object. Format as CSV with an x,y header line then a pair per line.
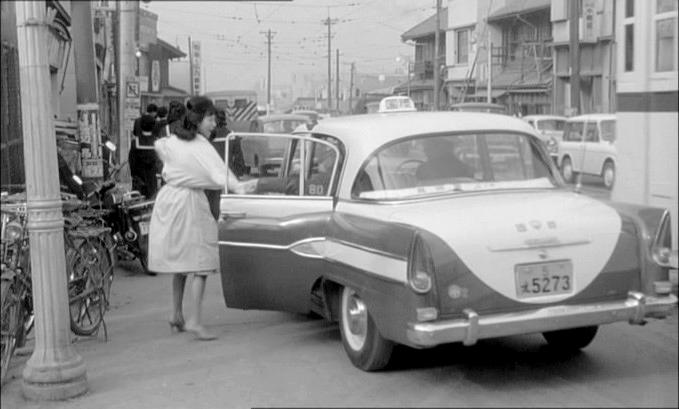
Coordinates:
x,y
434,165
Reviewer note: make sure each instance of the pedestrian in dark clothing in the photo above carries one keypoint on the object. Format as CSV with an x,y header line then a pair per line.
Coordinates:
x,y
142,159
151,109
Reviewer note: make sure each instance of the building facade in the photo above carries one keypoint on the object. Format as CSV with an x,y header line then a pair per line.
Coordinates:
x,y
500,50
420,82
597,57
647,98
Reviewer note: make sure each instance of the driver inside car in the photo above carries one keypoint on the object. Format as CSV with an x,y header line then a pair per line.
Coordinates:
x,y
442,162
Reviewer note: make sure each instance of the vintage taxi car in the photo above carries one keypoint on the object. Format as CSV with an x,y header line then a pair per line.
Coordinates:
x,y
439,227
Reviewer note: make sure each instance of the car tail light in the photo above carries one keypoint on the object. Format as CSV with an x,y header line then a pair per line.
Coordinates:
x,y
661,249
420,267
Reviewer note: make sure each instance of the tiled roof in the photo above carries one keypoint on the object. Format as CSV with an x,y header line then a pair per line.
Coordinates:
x,y
426,28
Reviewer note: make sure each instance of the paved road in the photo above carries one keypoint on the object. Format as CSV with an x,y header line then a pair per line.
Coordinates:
x,y
277,359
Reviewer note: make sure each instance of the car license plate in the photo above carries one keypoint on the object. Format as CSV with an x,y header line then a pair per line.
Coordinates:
x,y
144,228
541,279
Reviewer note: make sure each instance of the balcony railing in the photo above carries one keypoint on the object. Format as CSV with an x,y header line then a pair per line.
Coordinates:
x,y
529,52
424,69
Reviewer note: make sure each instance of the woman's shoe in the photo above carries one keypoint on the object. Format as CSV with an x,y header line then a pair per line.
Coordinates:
x,y
177,325
202,334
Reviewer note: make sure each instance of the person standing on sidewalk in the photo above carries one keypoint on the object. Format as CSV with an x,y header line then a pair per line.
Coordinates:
x,y
183,232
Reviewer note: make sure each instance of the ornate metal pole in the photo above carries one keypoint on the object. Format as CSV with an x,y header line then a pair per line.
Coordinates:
x,y
55,371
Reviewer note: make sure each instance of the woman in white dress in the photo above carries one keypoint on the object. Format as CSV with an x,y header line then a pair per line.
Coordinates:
x,y
183,233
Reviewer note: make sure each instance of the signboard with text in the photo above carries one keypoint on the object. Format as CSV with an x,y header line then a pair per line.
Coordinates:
x,y
195,55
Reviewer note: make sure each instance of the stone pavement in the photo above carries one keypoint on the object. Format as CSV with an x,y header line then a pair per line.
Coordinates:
x,y
144,365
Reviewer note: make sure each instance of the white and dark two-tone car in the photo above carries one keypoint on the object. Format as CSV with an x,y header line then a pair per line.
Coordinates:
x,y
426,228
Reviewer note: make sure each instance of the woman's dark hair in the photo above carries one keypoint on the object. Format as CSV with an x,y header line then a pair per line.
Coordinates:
x,y
197,108
176,111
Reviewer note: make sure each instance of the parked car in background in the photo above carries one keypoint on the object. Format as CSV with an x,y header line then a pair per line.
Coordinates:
x,y
426,228
480,107
550,129
266,154
312,115
588,146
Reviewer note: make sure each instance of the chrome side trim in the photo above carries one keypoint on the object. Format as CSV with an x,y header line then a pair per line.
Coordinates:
x,y
540,245
372,261
635,309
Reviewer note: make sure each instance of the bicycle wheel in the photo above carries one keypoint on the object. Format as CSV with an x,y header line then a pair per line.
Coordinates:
x,y
85,294
10,326
97,251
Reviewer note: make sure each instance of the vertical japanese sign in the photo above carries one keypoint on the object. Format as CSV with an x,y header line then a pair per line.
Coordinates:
x,y
589,21
195,56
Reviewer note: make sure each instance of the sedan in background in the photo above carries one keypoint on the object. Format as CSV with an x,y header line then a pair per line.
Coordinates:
x,y
550,130
264,155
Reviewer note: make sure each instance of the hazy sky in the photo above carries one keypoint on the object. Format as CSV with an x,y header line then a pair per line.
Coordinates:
x,y
367,32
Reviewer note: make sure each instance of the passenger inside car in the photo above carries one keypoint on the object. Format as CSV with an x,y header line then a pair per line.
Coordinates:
x,y
441,163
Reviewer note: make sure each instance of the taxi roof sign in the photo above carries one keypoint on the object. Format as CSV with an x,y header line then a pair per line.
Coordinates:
x,y
397,104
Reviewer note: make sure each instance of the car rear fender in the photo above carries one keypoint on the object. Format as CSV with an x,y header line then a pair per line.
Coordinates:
x,y
649,222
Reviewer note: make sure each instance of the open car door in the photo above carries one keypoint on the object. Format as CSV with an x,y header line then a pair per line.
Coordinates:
x,y
265,236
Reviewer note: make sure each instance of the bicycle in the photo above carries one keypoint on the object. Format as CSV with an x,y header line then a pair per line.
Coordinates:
x,y
17,302
89,263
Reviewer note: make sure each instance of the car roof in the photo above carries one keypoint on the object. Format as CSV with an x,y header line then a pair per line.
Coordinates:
x,y
592,117
280,117
543,116
363,134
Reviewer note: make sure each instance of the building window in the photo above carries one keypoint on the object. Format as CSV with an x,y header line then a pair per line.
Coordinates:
x,y
629,8
629,47
462,44
665,21
628,24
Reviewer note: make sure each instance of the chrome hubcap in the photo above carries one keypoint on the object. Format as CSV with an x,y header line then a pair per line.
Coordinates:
x,y
355,323
608,177
567,171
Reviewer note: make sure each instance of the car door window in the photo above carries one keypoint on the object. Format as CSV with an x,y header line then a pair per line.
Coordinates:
x,y
608,131
591,132
573,131
276,161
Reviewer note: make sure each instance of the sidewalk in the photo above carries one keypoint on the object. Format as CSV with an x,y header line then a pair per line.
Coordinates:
x,y
144,365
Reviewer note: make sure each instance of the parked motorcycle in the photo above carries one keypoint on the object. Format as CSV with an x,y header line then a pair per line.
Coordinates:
x,y
128,216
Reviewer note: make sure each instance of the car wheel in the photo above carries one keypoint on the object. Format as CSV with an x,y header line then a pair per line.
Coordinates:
x,y
571,339
362,341
567,170
608,174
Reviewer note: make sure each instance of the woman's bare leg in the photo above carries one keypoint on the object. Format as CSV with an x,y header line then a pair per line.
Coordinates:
x,y
194,324
178,284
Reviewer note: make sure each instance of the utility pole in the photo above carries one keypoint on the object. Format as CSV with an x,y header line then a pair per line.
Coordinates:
x,y
489,86
329,22
337,89
437,72
127,12
574,49
269,36
54,371
351,89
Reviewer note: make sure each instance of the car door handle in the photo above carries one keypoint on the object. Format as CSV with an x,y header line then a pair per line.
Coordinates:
x,y
232,215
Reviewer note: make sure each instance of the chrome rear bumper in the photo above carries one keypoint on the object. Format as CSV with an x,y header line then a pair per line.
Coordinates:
x,y
474,327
